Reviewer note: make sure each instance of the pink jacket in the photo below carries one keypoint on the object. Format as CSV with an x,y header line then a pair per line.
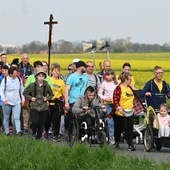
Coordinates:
x,y
163,120
106,90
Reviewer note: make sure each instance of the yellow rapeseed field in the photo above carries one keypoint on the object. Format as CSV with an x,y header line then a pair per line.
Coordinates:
x,y
142,63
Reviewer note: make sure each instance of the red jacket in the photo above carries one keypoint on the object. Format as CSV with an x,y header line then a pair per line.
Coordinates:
x,y
138,106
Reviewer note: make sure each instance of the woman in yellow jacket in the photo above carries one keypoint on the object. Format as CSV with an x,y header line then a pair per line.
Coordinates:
x,y
56,103
126,104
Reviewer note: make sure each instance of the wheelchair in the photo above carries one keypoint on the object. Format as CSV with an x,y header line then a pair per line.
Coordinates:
x,y
151,138
79,133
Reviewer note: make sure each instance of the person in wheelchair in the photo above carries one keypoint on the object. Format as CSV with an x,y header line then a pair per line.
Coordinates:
x,y
83,108
163,120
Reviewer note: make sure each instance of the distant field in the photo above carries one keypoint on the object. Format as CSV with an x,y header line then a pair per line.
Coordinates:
x,y
142,63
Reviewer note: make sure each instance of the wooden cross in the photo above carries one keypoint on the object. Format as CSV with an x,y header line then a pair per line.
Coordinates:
x,y
50,23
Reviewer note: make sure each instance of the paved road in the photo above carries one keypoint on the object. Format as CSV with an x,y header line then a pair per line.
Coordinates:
x,y
159,156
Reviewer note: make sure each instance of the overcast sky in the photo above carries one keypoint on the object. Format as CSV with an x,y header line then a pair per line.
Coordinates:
x,y
145,21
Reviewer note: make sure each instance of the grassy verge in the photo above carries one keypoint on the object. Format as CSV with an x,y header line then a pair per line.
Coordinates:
x,y
23,153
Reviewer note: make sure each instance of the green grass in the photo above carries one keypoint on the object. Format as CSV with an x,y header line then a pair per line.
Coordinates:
x,y
23,153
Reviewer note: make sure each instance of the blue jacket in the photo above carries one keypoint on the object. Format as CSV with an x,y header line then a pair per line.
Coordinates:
x,y
156,99
25,70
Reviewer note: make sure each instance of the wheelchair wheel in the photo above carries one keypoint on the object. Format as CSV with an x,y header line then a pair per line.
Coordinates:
x,y
151,115
73,132
102,138
148,138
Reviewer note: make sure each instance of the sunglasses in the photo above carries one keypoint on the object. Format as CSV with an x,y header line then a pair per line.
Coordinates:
x,y
90,66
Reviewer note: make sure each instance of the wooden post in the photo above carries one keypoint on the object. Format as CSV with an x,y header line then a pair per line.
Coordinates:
x,y
50,23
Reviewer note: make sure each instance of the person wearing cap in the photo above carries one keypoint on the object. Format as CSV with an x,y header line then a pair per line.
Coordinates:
x,y
39,94
12,98
75,87
74,63
26,114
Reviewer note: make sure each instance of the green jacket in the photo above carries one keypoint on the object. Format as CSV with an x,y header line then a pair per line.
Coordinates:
x,y
34,90
32,79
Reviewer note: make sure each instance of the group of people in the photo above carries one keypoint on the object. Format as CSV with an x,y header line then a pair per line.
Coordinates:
x,y
33,98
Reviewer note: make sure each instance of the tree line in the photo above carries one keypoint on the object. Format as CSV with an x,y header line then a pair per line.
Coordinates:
x,y
123,45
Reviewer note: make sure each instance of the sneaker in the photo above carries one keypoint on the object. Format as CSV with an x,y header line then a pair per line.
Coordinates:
x,y
10,130
116,146
45,135
26,131
50,132
61,136
20,133
132,148
1,129
112,141
56,138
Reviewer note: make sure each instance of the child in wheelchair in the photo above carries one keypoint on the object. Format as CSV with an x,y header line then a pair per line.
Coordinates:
x,y
84,111
163,120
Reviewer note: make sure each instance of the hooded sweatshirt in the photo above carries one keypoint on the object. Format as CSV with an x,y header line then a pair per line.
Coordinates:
x,y
83,101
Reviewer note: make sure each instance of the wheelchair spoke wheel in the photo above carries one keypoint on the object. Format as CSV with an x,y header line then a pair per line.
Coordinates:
x,y
151,116
73,132
102,138
148,138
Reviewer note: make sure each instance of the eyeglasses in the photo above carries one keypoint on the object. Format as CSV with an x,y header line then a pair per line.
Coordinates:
x,y
69,68
159,72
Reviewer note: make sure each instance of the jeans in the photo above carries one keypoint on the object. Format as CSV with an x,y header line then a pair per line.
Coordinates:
x,y
16,111
110,121
1,117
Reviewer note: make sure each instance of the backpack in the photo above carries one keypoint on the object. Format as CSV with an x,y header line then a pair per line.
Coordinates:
x,y
96,81
35,90
6,82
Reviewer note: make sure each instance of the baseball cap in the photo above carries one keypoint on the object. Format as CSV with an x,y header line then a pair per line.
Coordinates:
x,y
75,60
81,63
